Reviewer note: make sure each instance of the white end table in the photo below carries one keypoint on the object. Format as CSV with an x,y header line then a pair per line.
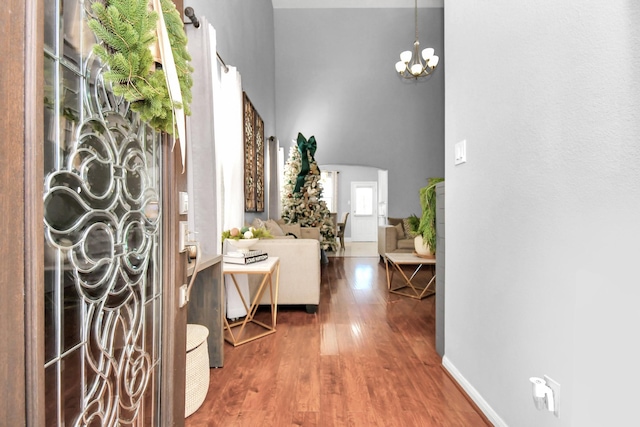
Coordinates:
x,y
235,331
409,288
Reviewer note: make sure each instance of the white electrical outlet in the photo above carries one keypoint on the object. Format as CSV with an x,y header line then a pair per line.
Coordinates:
x,y
555,386
183,232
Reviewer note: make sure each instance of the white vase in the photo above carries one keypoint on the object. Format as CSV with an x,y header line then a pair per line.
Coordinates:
x,y
242,245
421,249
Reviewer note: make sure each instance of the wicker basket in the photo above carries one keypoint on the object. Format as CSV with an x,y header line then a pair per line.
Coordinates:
x,y
197,370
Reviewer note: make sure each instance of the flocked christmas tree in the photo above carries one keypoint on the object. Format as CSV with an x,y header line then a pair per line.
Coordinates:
x,y
302,197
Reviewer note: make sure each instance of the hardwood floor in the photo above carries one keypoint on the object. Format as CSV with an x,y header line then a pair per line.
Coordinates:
x,y
366,358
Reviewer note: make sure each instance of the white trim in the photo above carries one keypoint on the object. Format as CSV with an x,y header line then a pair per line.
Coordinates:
x,y
477,398
354,4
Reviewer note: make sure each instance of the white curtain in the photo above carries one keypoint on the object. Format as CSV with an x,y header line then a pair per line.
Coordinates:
x,y
215,153
201,176
229,150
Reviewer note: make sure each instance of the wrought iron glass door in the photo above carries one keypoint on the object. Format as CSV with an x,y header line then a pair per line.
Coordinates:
x,y
102,223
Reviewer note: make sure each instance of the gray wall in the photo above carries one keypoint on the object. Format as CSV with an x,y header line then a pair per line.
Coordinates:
x,y
542,221
335,79
245,39
359,110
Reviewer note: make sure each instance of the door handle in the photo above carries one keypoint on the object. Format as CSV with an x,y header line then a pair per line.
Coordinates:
x,y
193,252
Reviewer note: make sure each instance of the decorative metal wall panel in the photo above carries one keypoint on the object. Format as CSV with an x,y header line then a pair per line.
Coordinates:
x,y
253,158
259,180
103,293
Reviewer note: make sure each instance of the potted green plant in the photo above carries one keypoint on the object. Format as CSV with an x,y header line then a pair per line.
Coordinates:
x,y
424,228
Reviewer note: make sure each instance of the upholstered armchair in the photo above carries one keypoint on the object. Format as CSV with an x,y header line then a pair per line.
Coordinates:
x,y
394,238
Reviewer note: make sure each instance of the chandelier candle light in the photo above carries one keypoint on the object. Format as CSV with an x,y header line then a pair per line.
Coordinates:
x,y
411,65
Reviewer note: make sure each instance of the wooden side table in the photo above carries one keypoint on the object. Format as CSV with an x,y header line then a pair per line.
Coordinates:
x,y
408,288
253,329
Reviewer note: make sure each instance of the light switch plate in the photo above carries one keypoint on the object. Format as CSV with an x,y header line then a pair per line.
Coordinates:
x,y
183,231
460,152
183,202
183,296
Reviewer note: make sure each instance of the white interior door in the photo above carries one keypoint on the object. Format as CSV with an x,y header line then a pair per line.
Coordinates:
x,y
364,211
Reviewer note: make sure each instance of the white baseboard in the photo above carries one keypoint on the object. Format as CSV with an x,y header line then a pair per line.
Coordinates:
x,y
486,409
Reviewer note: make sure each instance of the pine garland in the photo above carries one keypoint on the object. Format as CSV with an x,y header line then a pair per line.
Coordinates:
x,y
127,30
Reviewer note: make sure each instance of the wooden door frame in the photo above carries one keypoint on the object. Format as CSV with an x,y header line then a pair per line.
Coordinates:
x,y
34,212
21,170
22,230
174,272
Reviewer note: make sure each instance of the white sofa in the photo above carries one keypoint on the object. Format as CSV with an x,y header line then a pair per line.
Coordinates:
x,y
280,229
299,271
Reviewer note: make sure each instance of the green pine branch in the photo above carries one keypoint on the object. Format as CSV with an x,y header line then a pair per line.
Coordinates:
x,y
127,30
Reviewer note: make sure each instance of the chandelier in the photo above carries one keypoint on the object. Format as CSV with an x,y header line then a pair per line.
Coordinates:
x,y
411,64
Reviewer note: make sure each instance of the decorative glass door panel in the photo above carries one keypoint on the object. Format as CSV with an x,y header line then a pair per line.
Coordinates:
x,y
102,223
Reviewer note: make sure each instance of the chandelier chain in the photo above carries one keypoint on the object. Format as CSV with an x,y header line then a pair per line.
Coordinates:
x,y
416,18
411,65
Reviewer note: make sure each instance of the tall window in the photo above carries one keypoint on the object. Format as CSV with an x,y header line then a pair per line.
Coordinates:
x,y
329,181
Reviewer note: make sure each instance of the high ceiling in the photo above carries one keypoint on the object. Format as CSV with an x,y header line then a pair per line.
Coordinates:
x,y
352,4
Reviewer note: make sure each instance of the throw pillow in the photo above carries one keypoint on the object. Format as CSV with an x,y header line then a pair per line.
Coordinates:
x,y
310,233
257,223
291,228
407,229
274,228
399,231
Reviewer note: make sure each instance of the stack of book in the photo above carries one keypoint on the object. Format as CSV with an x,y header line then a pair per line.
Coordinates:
x,y
245,257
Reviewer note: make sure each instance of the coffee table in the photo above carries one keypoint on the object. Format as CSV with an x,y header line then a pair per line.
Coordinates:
x,y
408,287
